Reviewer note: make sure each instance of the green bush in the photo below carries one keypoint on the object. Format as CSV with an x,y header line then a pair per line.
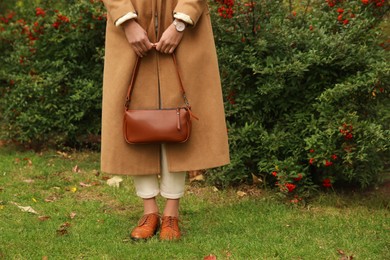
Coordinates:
x,y
306,85
307,92
50,79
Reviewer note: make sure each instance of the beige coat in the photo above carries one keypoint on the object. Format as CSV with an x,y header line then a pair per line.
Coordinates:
x,y
197,60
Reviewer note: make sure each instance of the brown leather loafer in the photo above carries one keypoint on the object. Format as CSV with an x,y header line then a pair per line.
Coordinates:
x,y
147,227
170,228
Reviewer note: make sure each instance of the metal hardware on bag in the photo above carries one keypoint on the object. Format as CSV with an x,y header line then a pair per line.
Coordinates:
x,y
178,118
127,103
186,100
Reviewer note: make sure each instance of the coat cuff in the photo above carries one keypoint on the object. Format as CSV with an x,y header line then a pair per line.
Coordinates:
x,y
185,18
118,8
191,8
126,17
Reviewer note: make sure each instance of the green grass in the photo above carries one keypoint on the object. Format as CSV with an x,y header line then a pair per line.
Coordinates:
x,y
221,223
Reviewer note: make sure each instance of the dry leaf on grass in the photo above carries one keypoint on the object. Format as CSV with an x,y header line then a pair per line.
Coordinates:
x,y
241,193
28,209
83,184
210,257
63,230
29,162
76,169
256,180
28,181
43,218
63,154
197,178
114,181
72,189
341,252
51,199
72,215
346,258
343,256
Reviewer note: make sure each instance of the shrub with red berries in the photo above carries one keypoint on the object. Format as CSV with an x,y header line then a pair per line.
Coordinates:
x,y
50,78
307,92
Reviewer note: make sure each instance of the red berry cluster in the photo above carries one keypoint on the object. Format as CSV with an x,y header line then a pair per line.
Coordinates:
x,y
332,3
60,20
346,131
327,183
226,8
377,3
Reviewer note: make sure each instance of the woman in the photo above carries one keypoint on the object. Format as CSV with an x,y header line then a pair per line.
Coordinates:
x,y
153,30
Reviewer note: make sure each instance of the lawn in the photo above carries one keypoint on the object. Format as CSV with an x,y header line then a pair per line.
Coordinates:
x,y
79,216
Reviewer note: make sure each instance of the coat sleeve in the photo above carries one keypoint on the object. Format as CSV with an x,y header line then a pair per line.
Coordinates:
x,y
192,8
118,8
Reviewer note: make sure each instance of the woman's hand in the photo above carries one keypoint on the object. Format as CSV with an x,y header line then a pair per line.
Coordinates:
x,y
169,40
137,37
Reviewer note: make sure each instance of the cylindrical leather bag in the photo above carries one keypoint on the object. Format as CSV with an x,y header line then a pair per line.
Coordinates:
x,y
144,126
157,126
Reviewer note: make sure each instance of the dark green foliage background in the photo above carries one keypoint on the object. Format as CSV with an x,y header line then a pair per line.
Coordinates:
x,y
51,86
296,80
295,77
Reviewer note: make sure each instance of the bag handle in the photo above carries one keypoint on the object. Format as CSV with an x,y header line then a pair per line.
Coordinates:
x,y
134,76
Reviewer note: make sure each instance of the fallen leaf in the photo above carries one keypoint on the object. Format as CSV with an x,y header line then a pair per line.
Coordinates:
x,y
43,218
343,255
73,189
28,209
63,154
241,193
105,178
193,174
215,189
197,178
76,169
228,254
51,199
96,173
341,252
33,199
45,257
65,225
210,257
63,230
29,162
346,258
28,181
72,215
114,181
256,180
82,184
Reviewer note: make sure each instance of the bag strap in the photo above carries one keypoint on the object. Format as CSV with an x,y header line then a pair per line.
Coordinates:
x,y
134,76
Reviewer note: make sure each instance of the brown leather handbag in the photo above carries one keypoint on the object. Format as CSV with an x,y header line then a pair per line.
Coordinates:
x,y
168,125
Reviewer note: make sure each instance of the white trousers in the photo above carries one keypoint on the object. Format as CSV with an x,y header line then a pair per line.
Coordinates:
x,y
171,185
